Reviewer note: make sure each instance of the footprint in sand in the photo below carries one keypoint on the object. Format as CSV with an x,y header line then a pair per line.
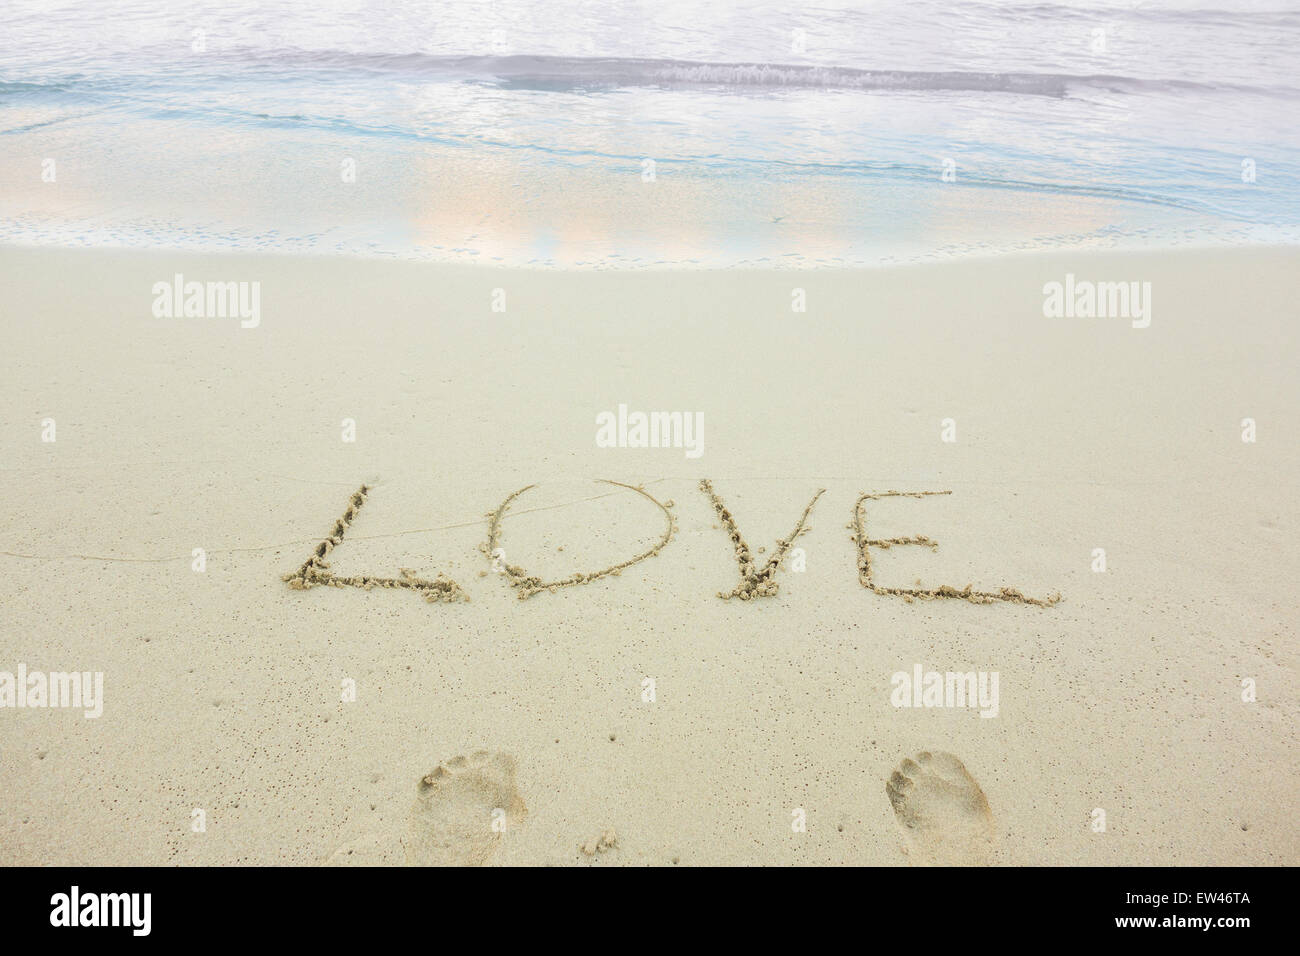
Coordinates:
x,y
942,810
463,809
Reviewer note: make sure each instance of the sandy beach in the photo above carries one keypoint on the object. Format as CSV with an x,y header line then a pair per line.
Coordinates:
x,y
638,718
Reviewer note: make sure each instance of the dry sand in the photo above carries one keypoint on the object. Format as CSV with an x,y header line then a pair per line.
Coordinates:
x,y
223,688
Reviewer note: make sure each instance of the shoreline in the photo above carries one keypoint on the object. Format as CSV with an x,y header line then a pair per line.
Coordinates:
x,y
1138,248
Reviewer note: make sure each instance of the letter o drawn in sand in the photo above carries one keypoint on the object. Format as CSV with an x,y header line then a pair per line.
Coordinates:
x,y
527,585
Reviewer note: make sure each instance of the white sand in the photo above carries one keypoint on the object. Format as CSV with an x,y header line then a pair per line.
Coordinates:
x,y
222,688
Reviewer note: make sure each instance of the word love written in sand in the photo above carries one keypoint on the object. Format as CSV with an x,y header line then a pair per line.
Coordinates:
x,y
755,580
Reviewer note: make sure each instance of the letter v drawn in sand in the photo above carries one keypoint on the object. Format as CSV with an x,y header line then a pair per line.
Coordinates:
x,y
316,569
755,581
1010,595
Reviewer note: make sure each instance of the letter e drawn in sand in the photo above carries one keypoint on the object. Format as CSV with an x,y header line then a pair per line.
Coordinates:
x,y
527,585
755,581
316,569
1010,595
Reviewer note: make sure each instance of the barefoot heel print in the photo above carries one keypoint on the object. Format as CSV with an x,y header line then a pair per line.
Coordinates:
x,y
942,810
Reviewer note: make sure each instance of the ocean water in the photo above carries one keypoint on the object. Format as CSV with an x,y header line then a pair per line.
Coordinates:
x,y
625,134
